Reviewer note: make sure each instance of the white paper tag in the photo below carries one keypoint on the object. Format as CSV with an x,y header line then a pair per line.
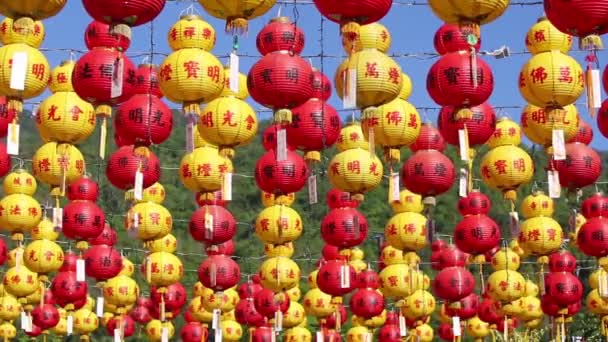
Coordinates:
x,y
463,182
57,219
456,329
281,144
99,307
514,223
117,72
208,226
80,273
597,91
29,323
70,321
117,337
344,277
367,337
278,321
312,190
402,326
190,131
18,259
319,336
135,221
24,320
215,323
12,139
19,70
138,192
234,73
559,145
349,98
463,143
218,335
164,334
273,335
555,188
227,187
394,186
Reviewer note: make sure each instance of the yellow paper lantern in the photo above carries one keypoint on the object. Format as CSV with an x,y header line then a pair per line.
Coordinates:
x,y
539,123
228,316
378,78
372,323
191,31
351,136
294,294
395,124
203,169
318,303
35,9
223,301
19,214
507,132
530,308
121,291
150,220
392,256
191,76
355,171
358,334
425,332
43,256
237,12
505,259
312,279
90,304
128,268
35,297
231,331
297,334
45,230
418,305
279,274
551,79
543,37
537,204
243,92
407,87
228,122
285,250
165,269
20,281
408,202
167,243
532,289
154,330
506,168
506,286
406,231
540,235
54,163
8,331
154,193
358,265
269,199
278,224
85,322
37,71
65,117
19,182
396,281
294,315
477,328
596,304
478,11
20,32
197,289
10,308
357,37
61,77
197,309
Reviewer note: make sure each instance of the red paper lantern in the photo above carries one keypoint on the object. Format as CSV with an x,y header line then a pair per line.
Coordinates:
x,y
84,189
329,278
246,313
132,12
69,262
321,86
453,283
93,76
3,252
360,11
344,227
389,333
146,80
563,288
67,290
140,314
595,205
5,161
102,262
194,332
281,177
6,116
562,261
249,289
337,198
315,126
467,308
480,126
219,272
450,81
578,17
487,311
329,252
216,198
584,134
332,319
592,237
35,331
429,139
280,34
267,303
475,203
223,229
225,248
82,220
550,308
126,161
102,35
155,313
452,256
476,234
45,316
428,173
262,334
368,279
445,332
125,322
582,166
366,303
280,80
144,119
454,38
602,116
107,237
174,296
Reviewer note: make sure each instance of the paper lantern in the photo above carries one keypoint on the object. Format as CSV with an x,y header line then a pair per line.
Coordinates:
x,y
355,171
66,289
153,220
475,203
362,12
278,224
194,332
279,274
366,303
477,234
82,220
591,237
540,235
126,161
134,13
102,262
539,123
506,167
543,37
280,34
428,173
21,32
164,269
480,11
223,224
19,213
191,31
281,176
36,76
429,139
582,166
203,169
455,37
584,134
506,285
357,37
480,125
219,272
563,288
406,231
100,34
330,278
144,119
84,188
453,283
344,227
154,330
315,126
237,12
43,256
121,291
351,136
579,18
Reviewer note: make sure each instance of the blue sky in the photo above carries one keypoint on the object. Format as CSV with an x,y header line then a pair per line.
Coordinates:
x,y
412,28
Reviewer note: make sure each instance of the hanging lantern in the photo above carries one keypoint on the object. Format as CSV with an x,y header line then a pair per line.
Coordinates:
x,y
455,37
578,18
429,139
357,37
82,220
150,220
219,272
279,274
453,283
281,176
134,13
407,231
355,171
43,257
506,285
237,12
366,303
477,234
123,165
480,126
428,173
223,225
543,37
280,34
584,133
102,262
344,227
506,167
482,12
99,34
590,237
203,169
36,76
538,123
66,289
362,12
582,166
163,269
144,119
331,278
475,203
146,80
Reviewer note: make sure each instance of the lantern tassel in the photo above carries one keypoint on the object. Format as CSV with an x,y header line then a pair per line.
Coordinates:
x,y
591,42
237,26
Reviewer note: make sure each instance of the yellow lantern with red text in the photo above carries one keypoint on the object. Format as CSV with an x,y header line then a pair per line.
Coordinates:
x,y
203,169
8,331
279,274
318,303
61,77
356,171
19,214
167,243
10,308
14,32
20,281
128,268
540,236
537,204
243,91
120,291
297,334
538,123
37,72
55,163
278,224
477,328
269,199
85,321
231,331
479,11
406,231
294,316
19,182
154,330
191,31
357,37
165,269
408,201
150,220
32,9
544,36
506,168
154,193
351,136
45,230
506,286
43,256
285,250
507,132
237,13
418,305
